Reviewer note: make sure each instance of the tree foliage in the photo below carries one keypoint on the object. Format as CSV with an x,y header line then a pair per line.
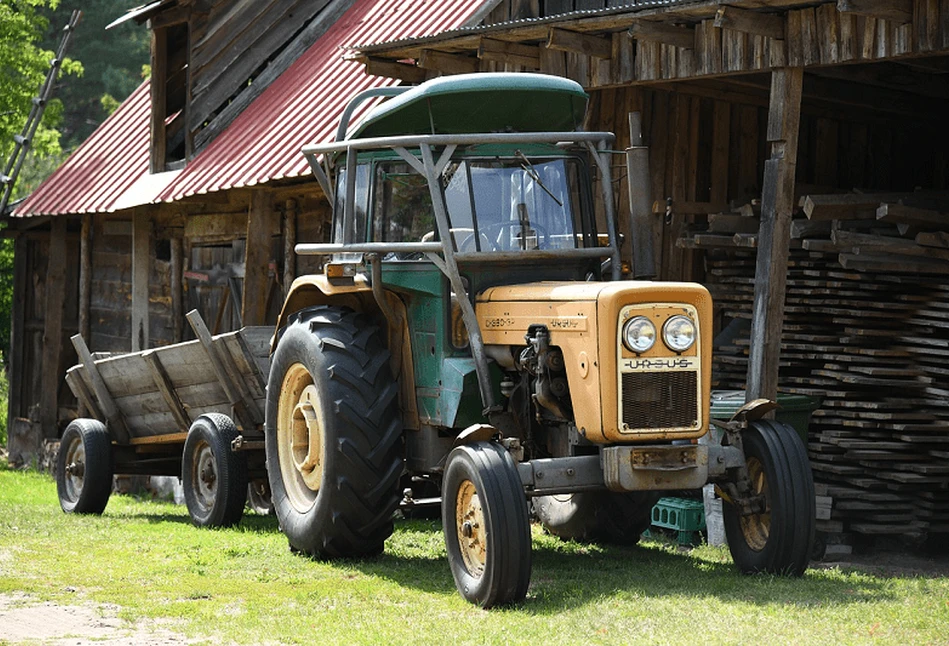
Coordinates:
x,y
23,66
112,60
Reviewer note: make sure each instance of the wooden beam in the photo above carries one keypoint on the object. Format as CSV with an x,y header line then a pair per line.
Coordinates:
x,y
141,264
113,415
392,69
750,22
22,282
85,274
663,33
159,62
257,258
899,11
571,41
53,328
503,51
167,389
289,243
431,59
777,202
177,289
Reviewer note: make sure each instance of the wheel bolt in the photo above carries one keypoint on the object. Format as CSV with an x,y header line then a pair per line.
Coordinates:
x,y
467,529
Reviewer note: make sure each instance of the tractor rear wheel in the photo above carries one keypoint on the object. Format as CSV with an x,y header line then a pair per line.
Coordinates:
x,y
779,539
84,467
333,434
486,525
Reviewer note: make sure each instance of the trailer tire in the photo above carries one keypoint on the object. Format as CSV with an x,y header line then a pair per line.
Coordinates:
x,y
84,467
333,434
780,539
486,525
214,477
597,516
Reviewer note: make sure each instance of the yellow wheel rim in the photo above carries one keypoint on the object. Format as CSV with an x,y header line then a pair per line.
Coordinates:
x,y
757,527
300,444
471,530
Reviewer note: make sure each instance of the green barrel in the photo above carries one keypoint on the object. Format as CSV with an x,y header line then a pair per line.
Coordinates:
x,y
795,410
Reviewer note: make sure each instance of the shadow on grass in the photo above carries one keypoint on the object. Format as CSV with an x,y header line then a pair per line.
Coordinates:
x,y
568,574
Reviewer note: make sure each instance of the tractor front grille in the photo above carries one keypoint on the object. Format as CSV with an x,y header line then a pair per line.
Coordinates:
x,y
660,400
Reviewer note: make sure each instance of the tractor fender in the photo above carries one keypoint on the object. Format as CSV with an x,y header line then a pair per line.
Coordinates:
x,y
317,289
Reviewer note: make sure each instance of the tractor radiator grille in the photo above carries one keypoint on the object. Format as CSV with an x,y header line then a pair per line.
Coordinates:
x,y
655,400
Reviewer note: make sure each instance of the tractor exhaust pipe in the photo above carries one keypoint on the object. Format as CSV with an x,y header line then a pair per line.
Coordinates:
x,y
640,213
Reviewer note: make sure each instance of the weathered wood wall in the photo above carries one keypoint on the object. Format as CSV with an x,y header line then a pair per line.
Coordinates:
x,y
707,152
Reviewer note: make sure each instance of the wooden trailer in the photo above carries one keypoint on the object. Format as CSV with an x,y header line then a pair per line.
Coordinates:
x,y
193,410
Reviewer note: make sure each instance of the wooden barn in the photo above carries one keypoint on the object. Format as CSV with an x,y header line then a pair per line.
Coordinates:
x,y
798,167
194,192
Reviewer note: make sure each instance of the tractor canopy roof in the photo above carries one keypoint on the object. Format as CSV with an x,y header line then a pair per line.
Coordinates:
x,y
473,103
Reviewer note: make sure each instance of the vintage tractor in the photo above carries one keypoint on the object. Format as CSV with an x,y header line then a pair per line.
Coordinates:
x,y
470,339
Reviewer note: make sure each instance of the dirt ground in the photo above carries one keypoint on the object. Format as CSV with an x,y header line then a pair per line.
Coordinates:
x,y
24,619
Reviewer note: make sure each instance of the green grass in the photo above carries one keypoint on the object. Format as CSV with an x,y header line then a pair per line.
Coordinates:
x,y
243,585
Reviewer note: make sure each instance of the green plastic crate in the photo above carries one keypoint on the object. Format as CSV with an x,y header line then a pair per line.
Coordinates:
x,y
681,515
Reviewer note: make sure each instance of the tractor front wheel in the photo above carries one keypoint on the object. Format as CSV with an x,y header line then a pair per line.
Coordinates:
x,y
486,525
779,538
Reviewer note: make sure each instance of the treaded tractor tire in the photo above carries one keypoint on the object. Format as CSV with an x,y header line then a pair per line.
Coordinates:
x,y
779,540
597,516
486,525
84,467
214,477
333,434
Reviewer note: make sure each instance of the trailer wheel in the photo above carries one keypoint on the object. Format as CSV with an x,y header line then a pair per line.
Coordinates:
x,y
597,516
778,540
84,467
214,477
333,434
486,525
258,496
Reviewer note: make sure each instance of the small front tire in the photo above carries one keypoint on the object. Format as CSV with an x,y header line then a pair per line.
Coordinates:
x,y
214,477
486,525
84,467
778,540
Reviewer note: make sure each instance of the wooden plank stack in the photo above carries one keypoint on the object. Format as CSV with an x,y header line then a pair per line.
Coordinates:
x,y
866,330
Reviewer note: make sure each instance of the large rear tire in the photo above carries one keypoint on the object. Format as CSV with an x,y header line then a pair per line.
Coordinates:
x,y
597,516
333,434
214,477
84,467
778,540
486,525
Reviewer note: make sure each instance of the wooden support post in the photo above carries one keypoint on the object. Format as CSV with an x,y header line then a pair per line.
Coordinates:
x,y
141,264
245,408
777,201
177,290
53,328
167,389
85,275
289,243
113,415
257,259
18,337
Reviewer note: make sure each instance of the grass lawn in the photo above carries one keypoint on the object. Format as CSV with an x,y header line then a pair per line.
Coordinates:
x,y
243,585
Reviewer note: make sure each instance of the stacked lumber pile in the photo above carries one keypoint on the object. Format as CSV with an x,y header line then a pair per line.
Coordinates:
x,y
866,330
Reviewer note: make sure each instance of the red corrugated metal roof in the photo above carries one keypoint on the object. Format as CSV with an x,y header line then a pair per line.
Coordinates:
x,y
302,106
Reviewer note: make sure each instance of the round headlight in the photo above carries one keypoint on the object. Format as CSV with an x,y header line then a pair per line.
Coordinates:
x,y
639,334
679,333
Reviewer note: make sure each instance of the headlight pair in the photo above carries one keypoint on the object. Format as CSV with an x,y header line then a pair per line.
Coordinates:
x,y
678,333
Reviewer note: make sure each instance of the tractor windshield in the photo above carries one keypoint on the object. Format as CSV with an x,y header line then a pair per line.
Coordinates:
x,y
493,204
